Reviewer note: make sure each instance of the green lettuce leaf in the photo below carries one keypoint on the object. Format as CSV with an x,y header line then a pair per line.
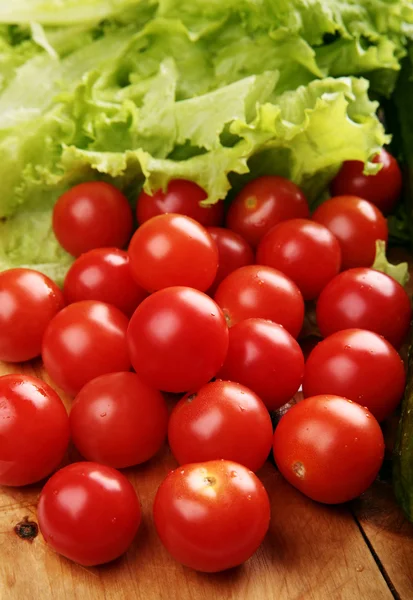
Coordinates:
x,y
399,272
138,92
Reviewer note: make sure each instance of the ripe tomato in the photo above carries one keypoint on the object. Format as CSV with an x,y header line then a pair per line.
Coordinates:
x,y
261,292
263,203
329,448
234,252
382,189
83,341
104,274
118,420
212,516
357,224
181,197
307,252
173,250
365,299
28,302
263,356
34,430
221,420
89,513
178,339
92,215
359,365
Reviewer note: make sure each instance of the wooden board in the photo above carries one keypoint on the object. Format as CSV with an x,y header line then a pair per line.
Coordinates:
x,y
312,552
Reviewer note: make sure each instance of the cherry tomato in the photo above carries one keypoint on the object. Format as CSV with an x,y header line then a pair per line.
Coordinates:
x,y
365,299
223,419
261,292
181,197
359,365
263,203
329,448
28,302
212,516
118,420
263,356
34,430
357,224
83,341
104,274
234,252
382,189
178,339
89,513
172,250
307,252
92,215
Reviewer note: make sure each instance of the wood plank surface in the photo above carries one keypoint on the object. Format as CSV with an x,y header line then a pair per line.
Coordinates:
x,y
312,552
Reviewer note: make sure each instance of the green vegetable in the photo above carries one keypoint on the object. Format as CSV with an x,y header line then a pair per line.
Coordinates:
x,y
403,452
399,272
216,91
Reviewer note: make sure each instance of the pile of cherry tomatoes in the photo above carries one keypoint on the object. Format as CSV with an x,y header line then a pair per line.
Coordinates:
x,y
213,314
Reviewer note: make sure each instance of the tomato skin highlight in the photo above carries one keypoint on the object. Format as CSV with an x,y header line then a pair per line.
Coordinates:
x,y
383,189
264,293
172,250
104,274
222,420
359,365
83,341
92,215
365,299
307,252
357,224
329,448
234,252
181,197
28,302
178,339
89,513
211,516
34,430
263,203
117,420
264,357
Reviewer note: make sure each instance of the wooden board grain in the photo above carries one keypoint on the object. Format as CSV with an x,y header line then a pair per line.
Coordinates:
x,y
311,552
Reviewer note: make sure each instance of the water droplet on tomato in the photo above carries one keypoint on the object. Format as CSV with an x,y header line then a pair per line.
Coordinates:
x,y
234,474
103,414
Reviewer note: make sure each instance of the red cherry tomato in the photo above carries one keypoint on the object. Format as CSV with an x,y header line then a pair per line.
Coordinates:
x,y
212,516
178,339
357,224
329,448
172,250
382,189
263,203
261,292
104,274
92,215
89,513
118,420
181,197
365,299
34,430
306,252
358,365
83,341
221,420
234,252
263,356
28,302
